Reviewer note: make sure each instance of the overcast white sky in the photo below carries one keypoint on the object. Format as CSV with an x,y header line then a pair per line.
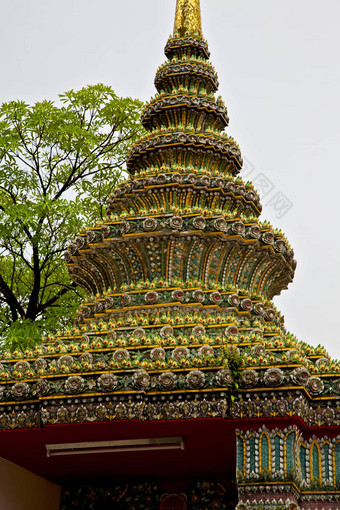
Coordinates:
x,y
279,69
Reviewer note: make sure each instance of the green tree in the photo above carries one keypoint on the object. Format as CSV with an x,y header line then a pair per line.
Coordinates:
x,y
58,165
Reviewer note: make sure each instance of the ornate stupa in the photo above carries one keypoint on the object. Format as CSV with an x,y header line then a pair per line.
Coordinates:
x,y
179,369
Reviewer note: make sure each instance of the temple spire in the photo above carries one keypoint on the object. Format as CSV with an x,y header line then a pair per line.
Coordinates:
x,y
188,17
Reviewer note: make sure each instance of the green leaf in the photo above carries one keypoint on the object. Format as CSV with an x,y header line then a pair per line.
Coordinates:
x,y
58,165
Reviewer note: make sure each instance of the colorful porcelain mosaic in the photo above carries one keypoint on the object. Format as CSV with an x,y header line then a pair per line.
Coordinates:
x,y
179,321
216,495
302,468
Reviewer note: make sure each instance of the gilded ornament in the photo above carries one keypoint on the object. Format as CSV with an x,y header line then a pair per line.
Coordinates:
x,y
112,335
106,231
161,179
99,307
192,179
109,302
121,411
92,236
229,186
81,414
101,412
80,242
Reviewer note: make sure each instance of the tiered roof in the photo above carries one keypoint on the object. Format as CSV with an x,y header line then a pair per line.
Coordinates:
x,y
180,276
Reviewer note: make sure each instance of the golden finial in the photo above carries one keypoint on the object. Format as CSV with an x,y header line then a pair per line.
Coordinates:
x,y
188,17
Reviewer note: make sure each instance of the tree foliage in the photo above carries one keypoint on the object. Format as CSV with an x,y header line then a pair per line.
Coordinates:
x,y
58,165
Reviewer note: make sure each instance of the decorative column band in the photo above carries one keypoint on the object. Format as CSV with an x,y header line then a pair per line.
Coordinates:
x,y
302,469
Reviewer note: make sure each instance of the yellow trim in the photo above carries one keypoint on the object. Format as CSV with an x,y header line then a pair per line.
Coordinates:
x,y
129,392
18,402
160,305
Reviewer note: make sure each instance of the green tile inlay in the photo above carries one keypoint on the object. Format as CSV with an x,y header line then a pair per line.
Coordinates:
x,y
264,452
316,462
290,451
240,460
303,462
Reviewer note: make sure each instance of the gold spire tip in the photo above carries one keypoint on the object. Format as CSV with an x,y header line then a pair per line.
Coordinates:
x,y
188,17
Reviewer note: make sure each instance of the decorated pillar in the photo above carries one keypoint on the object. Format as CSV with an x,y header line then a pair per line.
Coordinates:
x,y
284,468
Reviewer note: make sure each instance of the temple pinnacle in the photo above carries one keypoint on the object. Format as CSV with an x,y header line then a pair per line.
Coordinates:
x,y
188,17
